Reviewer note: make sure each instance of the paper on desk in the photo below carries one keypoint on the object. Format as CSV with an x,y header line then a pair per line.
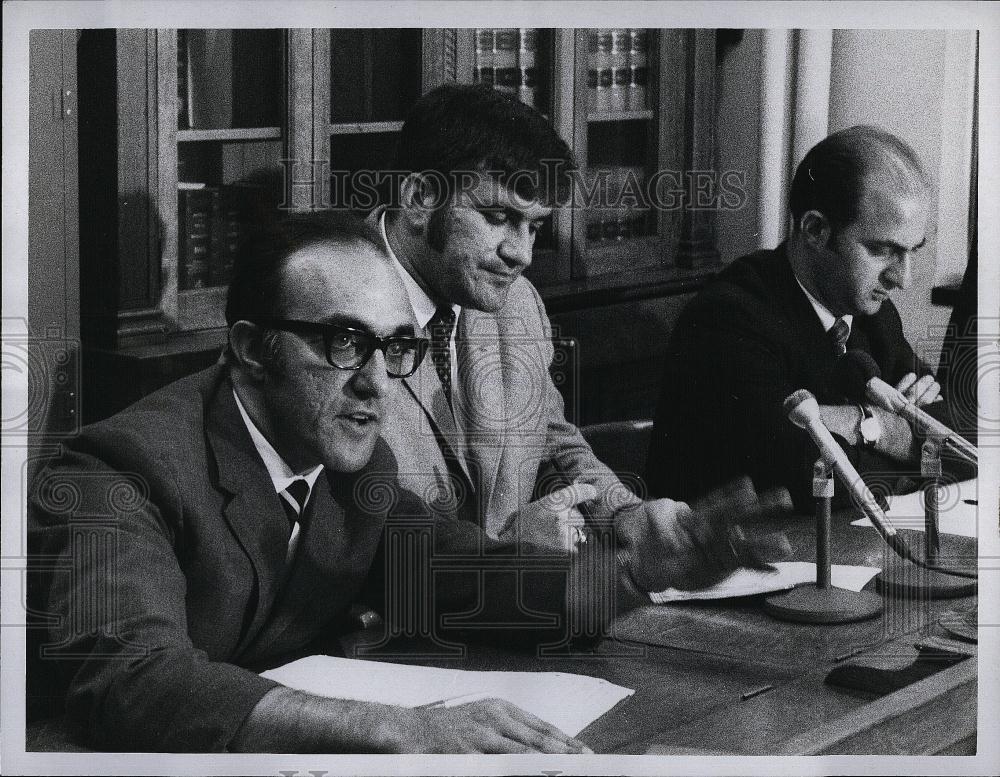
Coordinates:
x,y
569,701
787,574
954,515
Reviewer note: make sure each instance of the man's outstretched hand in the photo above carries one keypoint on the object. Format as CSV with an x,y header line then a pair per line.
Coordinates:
x,y
675,545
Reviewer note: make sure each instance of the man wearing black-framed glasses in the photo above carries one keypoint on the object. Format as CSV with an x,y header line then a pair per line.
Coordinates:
x,y
234,534
350,348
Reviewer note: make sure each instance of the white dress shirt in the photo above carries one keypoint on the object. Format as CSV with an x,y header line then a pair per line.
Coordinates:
x,y
281,474
826,318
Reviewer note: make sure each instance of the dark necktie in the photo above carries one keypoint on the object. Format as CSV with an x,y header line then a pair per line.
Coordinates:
x,y
298,490
441,325
839,333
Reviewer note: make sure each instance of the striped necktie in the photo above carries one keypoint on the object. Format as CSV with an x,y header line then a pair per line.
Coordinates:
x,y
839,333
294,501
441,325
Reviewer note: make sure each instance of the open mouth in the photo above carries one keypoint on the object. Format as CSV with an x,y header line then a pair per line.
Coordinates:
x,y
361,419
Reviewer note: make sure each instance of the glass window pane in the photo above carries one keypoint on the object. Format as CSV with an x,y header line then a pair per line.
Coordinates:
x,y
375,75
229,78
617,163
358,170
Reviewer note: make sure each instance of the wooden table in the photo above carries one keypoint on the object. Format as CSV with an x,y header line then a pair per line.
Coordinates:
x,y
691,665
709,654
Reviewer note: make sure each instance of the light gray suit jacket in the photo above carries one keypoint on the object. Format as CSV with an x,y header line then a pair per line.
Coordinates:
x,y
508,434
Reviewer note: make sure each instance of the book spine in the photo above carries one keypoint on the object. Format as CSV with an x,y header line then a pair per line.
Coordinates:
x,y
507,77
196,238
527,55
226,236
599,73
638,70
618,91
485,41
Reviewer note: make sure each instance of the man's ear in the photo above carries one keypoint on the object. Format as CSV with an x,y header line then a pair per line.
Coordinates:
x,y
246,345
417,201
815,229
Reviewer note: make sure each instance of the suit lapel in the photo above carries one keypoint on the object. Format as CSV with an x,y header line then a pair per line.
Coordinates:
x,y
796,305
482,407
818,352
425,387
253,512
309,581
335,552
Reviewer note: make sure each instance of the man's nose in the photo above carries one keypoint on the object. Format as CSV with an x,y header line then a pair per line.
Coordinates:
x,y
899,274
372,380
516,246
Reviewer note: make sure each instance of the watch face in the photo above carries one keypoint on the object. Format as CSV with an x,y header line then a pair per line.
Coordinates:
x,y
870,429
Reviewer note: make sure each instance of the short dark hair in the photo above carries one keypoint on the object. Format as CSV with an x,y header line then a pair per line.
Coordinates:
x,y
831,178
457,128
255,290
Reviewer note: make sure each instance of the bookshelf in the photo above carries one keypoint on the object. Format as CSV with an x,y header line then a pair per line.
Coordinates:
x,y
637,107
207,127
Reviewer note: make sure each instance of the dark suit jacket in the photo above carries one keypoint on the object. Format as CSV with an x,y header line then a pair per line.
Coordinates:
x,y
746,342
157,548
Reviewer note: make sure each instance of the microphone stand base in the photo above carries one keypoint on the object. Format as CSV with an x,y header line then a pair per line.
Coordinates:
x,y
809,604
908,580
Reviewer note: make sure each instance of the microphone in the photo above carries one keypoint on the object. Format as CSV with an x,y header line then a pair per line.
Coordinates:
x,y
857,375
802,410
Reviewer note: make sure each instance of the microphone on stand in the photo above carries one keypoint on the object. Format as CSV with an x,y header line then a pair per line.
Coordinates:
x,y
826,603
857,375
802,410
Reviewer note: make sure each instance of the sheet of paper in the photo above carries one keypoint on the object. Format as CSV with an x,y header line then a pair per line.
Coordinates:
x,y
787,574
569,701
955,514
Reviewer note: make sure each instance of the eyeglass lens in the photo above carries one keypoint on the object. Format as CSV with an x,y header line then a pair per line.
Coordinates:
x,y
352,350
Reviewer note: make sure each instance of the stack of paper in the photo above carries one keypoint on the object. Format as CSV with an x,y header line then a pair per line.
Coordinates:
x,y
957,513
569,701
787,574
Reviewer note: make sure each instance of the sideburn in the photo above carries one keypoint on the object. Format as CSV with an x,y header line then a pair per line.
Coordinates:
x,y
437,228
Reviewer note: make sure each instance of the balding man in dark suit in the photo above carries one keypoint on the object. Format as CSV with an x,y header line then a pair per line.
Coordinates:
x,y
776,321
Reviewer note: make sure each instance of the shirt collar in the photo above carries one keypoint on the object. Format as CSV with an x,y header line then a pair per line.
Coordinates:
x,y
423,306
281,474
826,318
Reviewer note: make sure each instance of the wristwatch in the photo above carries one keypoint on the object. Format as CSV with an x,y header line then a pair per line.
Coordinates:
x,y
869,427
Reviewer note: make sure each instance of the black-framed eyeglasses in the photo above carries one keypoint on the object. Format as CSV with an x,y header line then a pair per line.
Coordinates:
x,y
348,348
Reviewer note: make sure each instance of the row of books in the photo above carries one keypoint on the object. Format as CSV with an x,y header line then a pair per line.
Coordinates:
x,y
617,70
214,221
507,60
